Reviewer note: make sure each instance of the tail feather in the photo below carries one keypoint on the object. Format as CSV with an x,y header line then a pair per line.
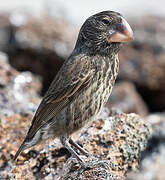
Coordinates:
x,y
27,143
21,148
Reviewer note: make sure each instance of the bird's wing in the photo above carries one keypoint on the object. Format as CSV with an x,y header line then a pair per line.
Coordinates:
x,y
69,82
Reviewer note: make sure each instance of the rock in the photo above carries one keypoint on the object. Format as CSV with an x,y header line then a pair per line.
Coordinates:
x,y
18,94
4,31
152,164
37,45
115,141
115,138
18,91
125,98
18,100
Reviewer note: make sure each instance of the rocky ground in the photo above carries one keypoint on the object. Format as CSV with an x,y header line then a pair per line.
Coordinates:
x,y
122,144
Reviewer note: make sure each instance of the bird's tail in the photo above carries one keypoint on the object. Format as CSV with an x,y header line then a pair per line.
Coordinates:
x,y
21,148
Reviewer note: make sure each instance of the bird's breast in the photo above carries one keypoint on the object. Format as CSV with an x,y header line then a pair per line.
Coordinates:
x,y
105,80
90,102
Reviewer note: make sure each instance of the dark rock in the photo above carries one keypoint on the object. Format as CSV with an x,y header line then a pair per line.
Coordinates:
x,y
4,31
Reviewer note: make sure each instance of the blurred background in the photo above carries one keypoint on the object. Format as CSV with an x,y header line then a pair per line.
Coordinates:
x,y
37,36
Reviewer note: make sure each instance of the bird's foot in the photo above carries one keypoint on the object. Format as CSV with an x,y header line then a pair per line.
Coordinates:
x,y
74,168
105,163
94,162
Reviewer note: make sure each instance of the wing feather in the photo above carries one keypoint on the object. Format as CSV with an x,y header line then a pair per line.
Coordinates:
x,y
62,91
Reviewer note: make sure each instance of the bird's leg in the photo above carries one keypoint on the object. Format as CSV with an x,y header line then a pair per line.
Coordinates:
x,y
83,151
96,162
65,143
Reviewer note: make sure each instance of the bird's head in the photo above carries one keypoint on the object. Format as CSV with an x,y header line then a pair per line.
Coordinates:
x,y
104,32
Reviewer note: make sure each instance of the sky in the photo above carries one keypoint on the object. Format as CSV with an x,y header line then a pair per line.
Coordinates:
x,y
77,11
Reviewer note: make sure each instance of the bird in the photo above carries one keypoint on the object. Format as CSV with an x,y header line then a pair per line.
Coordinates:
x,y
83,84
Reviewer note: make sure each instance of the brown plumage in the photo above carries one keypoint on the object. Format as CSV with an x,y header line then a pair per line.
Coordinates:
x,y
83,84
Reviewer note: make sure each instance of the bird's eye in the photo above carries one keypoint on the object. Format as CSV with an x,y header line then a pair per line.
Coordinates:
x,y
105,21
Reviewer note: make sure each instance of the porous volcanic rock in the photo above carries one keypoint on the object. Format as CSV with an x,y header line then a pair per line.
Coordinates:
x,y
152,164
115,142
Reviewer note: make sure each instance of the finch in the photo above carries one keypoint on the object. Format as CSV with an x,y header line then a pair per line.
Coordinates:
x,y
83,84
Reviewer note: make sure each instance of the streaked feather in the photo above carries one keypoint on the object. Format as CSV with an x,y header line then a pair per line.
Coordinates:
x,y
63,90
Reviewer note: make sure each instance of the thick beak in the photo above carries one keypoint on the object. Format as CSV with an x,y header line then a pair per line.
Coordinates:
x,y
122,33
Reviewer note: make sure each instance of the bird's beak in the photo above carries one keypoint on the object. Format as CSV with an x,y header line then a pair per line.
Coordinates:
x,y
122,32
